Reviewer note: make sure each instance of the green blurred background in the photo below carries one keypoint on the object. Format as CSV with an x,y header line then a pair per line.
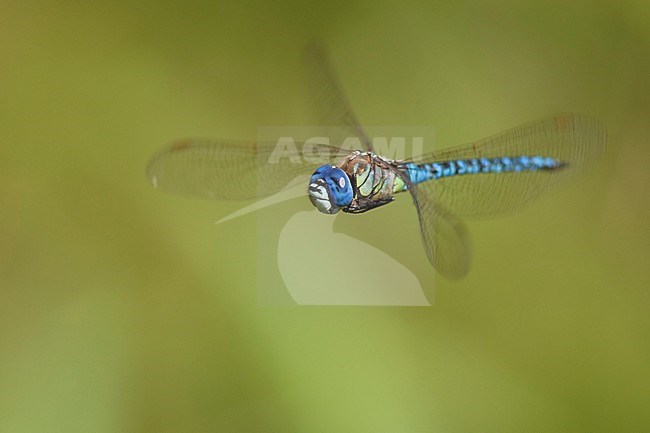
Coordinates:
x,y
123,309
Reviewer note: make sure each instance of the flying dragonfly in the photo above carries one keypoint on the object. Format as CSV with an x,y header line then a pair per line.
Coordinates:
x,y
487,177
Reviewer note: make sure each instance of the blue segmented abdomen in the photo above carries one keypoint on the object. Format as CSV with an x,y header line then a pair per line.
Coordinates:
x,y
438,170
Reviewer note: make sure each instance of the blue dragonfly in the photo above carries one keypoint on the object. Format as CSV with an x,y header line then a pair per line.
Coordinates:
x,y
487,177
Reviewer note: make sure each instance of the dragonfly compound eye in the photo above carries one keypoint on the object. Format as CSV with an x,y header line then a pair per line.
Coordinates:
x,y
330,189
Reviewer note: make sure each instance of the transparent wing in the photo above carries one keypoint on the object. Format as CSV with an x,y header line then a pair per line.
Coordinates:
x,y
230,170
330,105
444,238
576,140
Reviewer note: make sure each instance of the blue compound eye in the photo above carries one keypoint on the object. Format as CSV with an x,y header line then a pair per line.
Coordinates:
x,y
330,189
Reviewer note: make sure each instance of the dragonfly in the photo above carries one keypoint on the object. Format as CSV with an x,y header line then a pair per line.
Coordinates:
x,y
484,178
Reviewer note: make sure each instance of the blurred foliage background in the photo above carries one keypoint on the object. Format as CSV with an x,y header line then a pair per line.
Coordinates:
x,y
126,310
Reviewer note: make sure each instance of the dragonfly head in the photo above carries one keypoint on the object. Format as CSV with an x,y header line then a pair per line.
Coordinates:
x,y
329,189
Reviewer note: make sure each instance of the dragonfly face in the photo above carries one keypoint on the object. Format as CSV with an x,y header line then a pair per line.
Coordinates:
x,y
330,189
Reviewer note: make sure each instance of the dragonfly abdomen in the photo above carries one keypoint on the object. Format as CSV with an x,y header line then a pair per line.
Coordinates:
x,y
437,170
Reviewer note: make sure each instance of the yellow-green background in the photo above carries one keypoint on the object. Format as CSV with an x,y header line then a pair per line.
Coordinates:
x,y
126,310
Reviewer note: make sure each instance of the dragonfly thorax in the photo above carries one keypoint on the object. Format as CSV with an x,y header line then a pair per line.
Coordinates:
x,y
330,189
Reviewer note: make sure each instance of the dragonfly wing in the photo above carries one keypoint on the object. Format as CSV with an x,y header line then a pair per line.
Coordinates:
x,y
575,140
444,236
330,104
230,170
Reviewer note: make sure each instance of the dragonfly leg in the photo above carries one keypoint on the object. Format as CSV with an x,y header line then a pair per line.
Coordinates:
x,y
366,205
